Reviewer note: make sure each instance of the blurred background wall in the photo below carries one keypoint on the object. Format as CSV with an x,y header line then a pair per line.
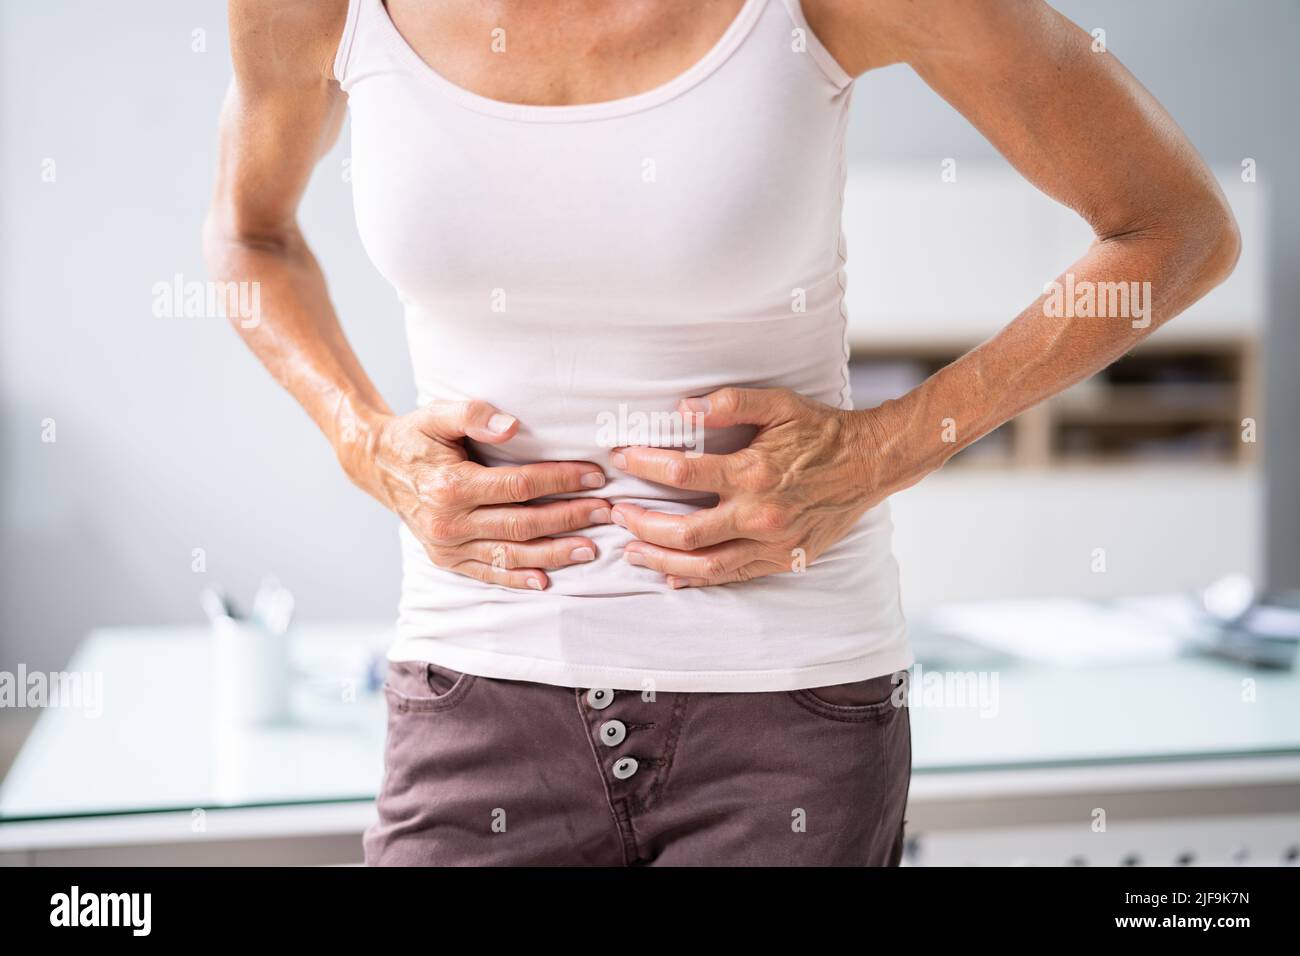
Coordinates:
x,y
169,438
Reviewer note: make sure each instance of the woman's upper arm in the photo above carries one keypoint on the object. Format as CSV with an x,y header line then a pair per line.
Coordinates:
x,y
1067,115
282,111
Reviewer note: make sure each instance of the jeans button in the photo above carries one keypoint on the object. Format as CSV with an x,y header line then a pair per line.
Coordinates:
x,y
600,697
613,733
624,768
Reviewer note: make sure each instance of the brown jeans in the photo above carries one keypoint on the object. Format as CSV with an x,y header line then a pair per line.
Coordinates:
x,y
506,773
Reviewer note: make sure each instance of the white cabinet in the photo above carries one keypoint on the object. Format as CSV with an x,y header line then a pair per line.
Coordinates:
x,y
969,534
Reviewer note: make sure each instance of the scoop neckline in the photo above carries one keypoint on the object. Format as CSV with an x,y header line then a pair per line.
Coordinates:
x,y
726,44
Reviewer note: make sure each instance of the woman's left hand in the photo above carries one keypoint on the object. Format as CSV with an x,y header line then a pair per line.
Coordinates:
x,y
799,487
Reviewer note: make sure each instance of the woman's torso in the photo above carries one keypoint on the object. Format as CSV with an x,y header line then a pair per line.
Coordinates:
x,y
584,268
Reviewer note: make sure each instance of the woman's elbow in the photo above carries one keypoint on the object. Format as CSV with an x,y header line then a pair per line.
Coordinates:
x,y
1217,242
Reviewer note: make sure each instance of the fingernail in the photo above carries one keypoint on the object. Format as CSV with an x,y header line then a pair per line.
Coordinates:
x,y
500,423
619,520
535,584
676,583
618,461
593,479
581,554
632,557
599,516
700,405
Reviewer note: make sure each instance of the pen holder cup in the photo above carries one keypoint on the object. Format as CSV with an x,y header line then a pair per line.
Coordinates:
x,y
250,670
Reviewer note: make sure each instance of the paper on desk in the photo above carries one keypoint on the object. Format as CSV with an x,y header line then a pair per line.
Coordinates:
x,y
1065,631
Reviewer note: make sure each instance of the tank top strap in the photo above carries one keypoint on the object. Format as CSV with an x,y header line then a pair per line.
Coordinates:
x,y
344,53
803,38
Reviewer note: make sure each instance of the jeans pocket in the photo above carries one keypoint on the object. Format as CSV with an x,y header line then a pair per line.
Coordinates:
x,y
419,687
874,699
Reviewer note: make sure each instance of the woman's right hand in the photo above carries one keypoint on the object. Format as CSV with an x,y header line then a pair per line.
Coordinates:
x,y
472,519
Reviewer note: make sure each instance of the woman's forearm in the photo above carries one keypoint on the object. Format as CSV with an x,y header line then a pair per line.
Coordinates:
x,y
297,336
1112,298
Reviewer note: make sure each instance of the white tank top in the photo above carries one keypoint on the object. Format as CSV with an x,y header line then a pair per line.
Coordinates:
x,y
578,266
